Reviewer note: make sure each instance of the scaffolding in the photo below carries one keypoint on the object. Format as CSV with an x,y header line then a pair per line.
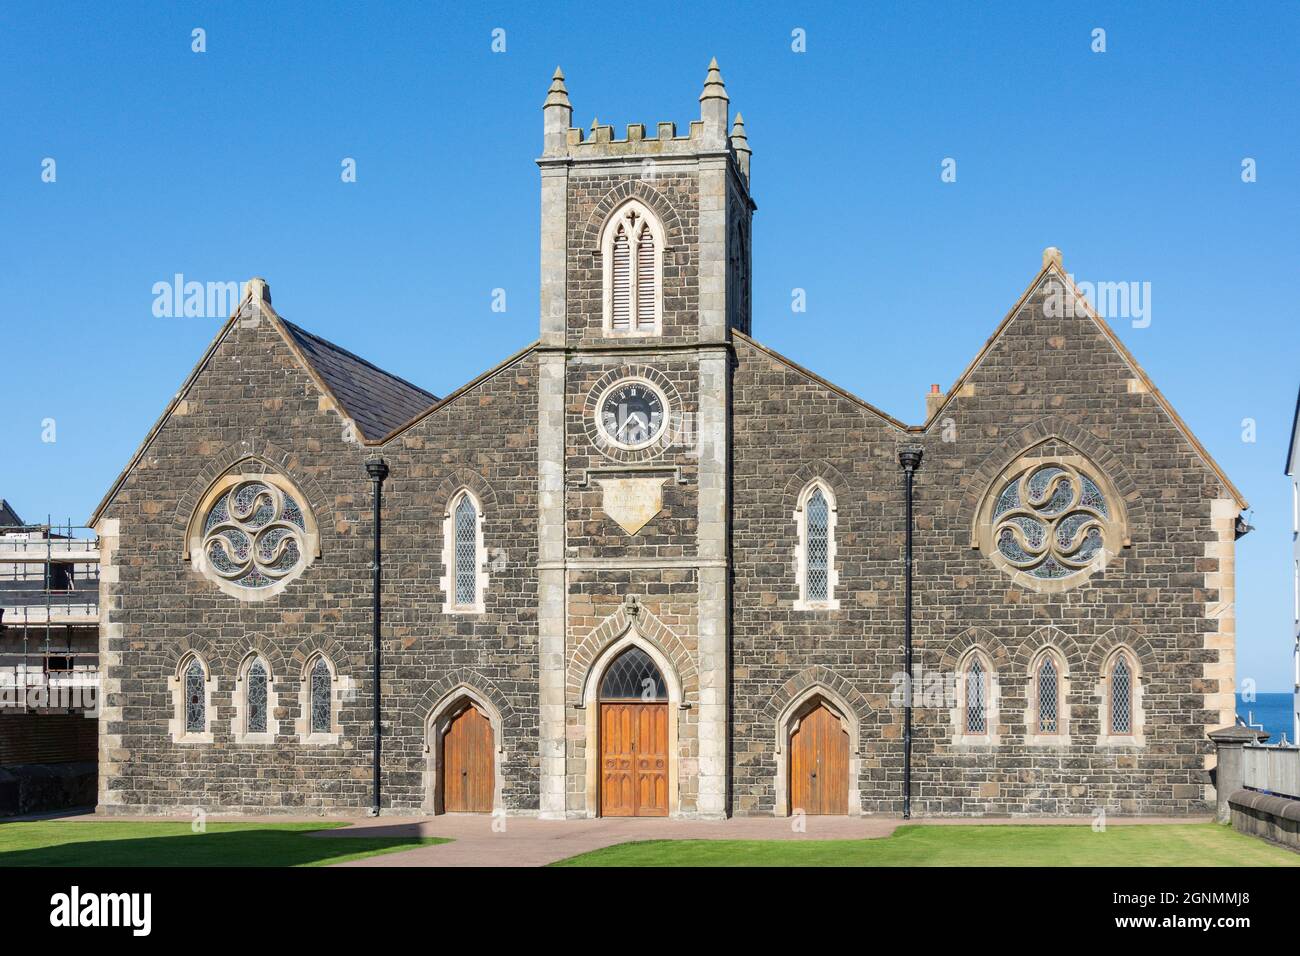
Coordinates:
x,y
49,617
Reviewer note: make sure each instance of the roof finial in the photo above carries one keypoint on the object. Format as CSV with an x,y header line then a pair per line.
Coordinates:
x,y
740,145
713,85
557,95
713,108
1052,255
738,133
557,113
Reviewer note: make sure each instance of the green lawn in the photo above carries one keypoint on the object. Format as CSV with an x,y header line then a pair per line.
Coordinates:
x,y
1196,844
126,843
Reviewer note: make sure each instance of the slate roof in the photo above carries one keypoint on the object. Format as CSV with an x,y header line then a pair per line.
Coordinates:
x,y
8,517
376,400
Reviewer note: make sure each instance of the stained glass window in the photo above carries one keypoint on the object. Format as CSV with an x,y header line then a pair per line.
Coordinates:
x,y
976,698
256,701
817,516
1048,697
254,535
633,676
466,521
321,705
196,707
1121,697
1050,521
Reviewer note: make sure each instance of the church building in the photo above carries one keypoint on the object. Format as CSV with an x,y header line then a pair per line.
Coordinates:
x,y
648,566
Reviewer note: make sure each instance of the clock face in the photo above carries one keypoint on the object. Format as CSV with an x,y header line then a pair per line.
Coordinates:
x,y
632,413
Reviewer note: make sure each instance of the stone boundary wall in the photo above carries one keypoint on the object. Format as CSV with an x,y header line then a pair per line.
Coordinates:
x,y
1276,819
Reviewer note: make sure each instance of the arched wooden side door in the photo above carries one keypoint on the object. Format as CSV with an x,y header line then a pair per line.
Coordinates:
x,y
468,770
819,764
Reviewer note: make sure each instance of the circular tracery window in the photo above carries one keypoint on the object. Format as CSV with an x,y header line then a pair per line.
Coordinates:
x,y
1052,522
254,538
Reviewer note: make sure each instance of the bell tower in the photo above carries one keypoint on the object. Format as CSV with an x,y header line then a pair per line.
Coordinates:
x,y
645,272
695,188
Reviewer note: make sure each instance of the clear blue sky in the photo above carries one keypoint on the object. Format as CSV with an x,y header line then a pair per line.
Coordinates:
x,y
226,164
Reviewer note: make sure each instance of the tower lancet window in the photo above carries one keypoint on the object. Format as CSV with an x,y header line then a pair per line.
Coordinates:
x,y
632,248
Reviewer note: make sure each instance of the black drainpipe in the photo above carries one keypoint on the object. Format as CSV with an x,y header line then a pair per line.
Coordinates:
x,y
910,459
377,469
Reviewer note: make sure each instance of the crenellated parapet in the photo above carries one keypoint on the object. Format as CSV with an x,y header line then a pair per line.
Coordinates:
x,y
708,135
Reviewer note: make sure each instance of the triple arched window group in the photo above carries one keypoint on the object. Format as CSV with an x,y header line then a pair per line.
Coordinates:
x,y
1047,699
255,701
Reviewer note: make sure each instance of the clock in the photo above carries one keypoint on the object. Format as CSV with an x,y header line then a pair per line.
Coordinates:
x,y
632,413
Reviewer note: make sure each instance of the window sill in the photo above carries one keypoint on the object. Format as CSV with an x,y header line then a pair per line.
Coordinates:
x,y
320,740
832,605
256,740
1048,741
465,609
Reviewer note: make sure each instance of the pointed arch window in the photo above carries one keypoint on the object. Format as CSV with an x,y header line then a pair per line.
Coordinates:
x,y
466,550
976,714
322,691
255,691
255,702
322,697
196,707
191,686
632,247
465,555
975,700
1122,719
633,675
1047,688
815,518
1121,697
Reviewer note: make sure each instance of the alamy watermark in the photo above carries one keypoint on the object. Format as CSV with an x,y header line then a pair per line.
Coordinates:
x,y
1110,300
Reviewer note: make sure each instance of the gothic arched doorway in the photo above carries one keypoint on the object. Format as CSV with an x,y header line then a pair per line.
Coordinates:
x,y
819,761
634,763
468,775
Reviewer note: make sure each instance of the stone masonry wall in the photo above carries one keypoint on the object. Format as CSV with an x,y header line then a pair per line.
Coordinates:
x,y
1046,379
253,398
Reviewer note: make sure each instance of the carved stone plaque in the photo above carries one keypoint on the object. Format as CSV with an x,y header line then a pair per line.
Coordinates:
x,y
632,502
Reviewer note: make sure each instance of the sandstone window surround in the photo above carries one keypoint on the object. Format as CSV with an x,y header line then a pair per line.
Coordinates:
x,y
1051,522
320,699
255,702
252,534
192,686
1120,692
815,517
632,253
464,555
1047,708
977,700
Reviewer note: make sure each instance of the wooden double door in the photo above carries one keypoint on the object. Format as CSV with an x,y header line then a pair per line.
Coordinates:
x,y
634,759
819,763
468,768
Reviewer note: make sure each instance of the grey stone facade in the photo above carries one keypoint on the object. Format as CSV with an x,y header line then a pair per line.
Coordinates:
x,y
709,584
